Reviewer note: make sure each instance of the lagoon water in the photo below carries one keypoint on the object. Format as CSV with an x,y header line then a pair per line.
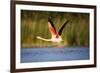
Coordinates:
x,y
29,55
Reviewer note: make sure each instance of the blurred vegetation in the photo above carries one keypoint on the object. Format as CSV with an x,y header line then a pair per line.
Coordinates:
x,y
34,23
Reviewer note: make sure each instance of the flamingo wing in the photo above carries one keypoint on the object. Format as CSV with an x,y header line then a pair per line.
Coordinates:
x,y
62,27
51,27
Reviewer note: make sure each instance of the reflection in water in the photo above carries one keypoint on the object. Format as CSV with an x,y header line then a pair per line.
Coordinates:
x,y
53,54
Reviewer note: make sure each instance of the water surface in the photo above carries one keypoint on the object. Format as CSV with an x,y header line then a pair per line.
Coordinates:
x,y
54,54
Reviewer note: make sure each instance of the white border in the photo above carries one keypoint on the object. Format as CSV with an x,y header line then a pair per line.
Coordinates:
x,y
52,64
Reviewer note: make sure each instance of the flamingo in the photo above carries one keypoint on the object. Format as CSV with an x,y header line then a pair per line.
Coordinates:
x,y
55,36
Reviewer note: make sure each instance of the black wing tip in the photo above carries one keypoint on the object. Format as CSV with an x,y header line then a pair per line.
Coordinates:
x,y
61,29
66,21
50,20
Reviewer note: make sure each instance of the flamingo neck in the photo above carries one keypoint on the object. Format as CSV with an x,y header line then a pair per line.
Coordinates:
x,y
38,37
55,39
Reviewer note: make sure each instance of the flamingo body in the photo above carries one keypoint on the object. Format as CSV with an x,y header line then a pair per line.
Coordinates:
x,y
56,36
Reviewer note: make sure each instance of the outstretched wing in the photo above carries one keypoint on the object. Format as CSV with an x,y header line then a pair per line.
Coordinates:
x,y
62,27
51,27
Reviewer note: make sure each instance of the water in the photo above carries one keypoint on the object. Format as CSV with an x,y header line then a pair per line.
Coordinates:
x,y
53,54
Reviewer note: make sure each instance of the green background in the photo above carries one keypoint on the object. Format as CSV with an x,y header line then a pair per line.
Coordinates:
x,y
35,23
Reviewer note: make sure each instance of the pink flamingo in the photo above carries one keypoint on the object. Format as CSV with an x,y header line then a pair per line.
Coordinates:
x,y
56,36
